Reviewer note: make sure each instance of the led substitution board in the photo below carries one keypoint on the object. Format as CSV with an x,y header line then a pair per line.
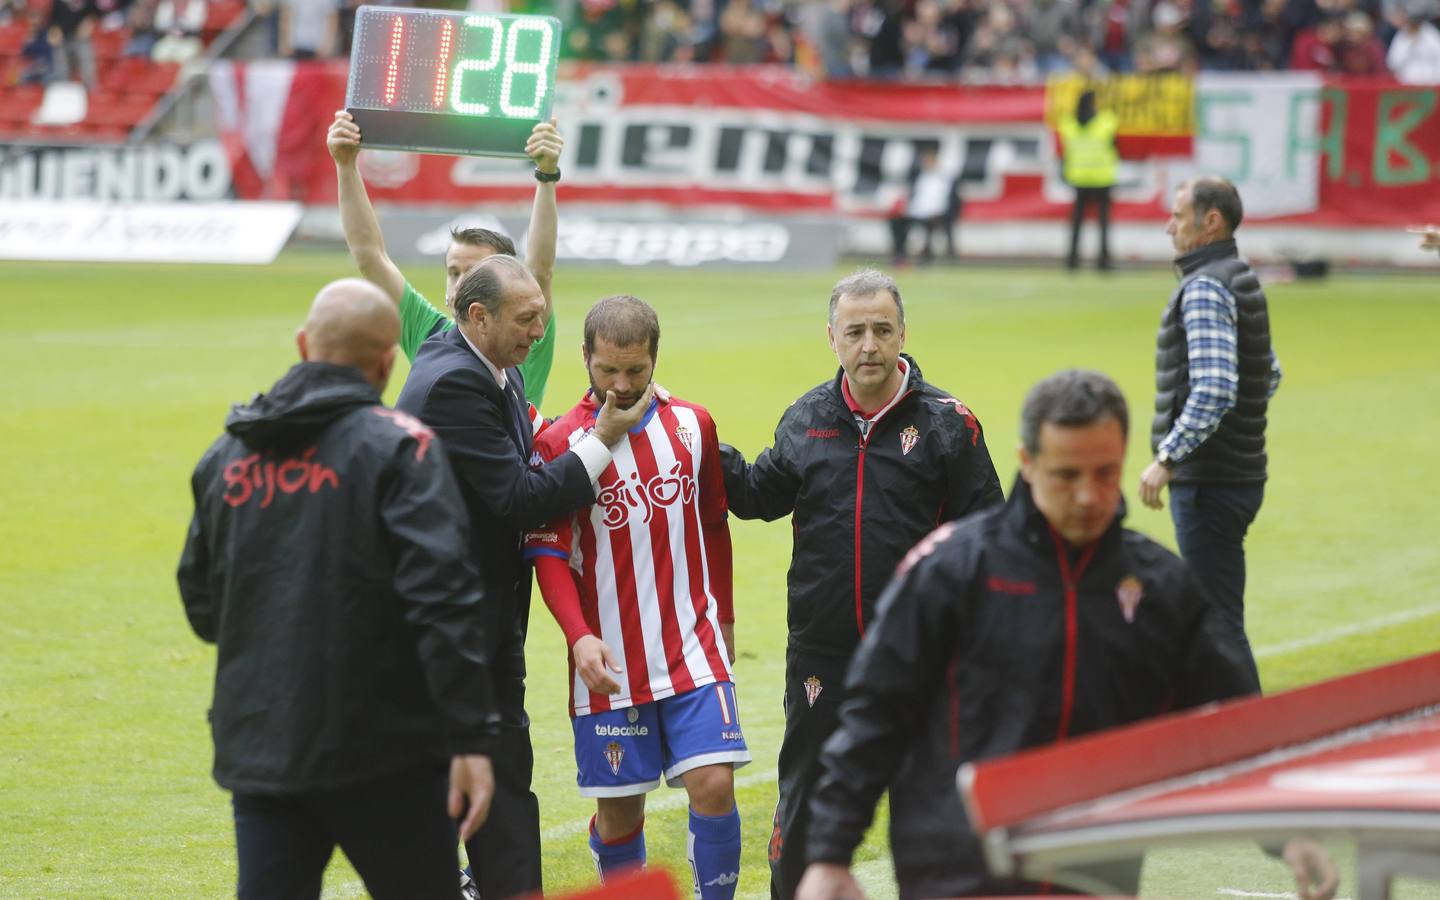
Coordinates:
x,y
442,82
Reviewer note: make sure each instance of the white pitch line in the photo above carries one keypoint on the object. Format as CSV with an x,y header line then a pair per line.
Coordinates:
x,y
1335,634
674,799
1236,892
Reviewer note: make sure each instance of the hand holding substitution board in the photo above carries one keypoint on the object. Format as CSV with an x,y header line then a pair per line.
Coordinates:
x,y
455,83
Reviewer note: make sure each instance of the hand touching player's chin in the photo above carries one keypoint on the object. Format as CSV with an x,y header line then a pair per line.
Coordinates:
x,y
613,422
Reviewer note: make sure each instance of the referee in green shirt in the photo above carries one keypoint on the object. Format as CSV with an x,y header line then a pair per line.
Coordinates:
x,y
419,319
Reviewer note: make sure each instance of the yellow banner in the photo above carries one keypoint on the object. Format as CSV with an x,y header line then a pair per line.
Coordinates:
x,y
1146,105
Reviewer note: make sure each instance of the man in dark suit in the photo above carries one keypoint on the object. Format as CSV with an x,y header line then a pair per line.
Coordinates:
x,y
464,385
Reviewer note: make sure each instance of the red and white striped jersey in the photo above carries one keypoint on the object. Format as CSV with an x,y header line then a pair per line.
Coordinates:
x,y
638,555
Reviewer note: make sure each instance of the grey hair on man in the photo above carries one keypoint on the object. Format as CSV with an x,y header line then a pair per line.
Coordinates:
x,y
864,283
488,284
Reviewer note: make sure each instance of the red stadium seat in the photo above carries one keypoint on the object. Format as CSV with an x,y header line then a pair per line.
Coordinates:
x,y
22,96
155,80
220,15
95,130
17,104
132,75
12,38
61,132
118,111
109,44
121,73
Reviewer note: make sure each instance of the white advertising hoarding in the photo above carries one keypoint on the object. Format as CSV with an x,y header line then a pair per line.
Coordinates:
x,y
232,232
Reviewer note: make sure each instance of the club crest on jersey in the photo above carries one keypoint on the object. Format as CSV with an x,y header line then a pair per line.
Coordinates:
x,y
1129,592
908,437
613,754
683,435
813,687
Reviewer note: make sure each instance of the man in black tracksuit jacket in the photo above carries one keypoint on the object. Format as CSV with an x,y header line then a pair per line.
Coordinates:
x,y
864,482
1038,621
328,560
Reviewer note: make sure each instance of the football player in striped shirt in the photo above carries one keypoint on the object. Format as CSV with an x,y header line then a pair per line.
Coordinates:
x,y
640,583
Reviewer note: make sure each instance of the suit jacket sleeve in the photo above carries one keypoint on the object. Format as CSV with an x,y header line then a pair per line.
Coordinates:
x,y
427,530
472,425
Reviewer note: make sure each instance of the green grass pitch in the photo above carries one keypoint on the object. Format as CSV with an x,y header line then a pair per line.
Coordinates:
x,y
121,375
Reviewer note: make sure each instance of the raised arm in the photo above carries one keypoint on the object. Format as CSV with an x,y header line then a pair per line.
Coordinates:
x,y
544,148
357,216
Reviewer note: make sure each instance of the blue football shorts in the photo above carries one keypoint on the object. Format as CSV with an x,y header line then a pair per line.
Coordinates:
x,y
624,752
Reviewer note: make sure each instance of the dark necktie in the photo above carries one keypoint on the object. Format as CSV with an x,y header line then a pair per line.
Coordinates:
x,y
519,412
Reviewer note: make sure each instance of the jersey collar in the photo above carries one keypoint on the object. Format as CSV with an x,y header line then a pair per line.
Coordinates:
x,y
592,408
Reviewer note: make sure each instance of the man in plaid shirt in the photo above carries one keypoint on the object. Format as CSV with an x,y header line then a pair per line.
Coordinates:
x,y
1215,372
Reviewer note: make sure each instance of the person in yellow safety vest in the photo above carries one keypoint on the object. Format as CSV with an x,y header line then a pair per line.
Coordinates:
x,y
1089,160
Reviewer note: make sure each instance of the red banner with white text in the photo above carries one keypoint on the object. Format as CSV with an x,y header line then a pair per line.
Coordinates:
x,y
774,141
1380,154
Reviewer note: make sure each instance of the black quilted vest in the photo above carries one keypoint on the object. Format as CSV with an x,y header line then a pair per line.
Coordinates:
x,y
1236,450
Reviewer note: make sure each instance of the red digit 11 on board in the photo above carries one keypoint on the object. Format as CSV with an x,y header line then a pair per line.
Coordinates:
x,y
503,46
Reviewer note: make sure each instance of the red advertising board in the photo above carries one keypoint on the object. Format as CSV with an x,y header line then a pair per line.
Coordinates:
x,y
1380,159
773,141
1360,753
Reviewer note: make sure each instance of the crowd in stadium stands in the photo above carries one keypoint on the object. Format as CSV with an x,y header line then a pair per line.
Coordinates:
x,y
1016,40
985,41
976,41
61,39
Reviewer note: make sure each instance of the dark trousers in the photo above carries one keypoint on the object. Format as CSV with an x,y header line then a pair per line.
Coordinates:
x,y
807,726
394,830
505,852
1211,519
900,234
1099,197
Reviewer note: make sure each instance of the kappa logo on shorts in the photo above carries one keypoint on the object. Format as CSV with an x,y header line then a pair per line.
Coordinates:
x,y
908,437
613,754
813,687
682,434
1129,592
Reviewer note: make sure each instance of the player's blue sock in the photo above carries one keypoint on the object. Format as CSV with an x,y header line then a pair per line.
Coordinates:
x,y
614,857
714,847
